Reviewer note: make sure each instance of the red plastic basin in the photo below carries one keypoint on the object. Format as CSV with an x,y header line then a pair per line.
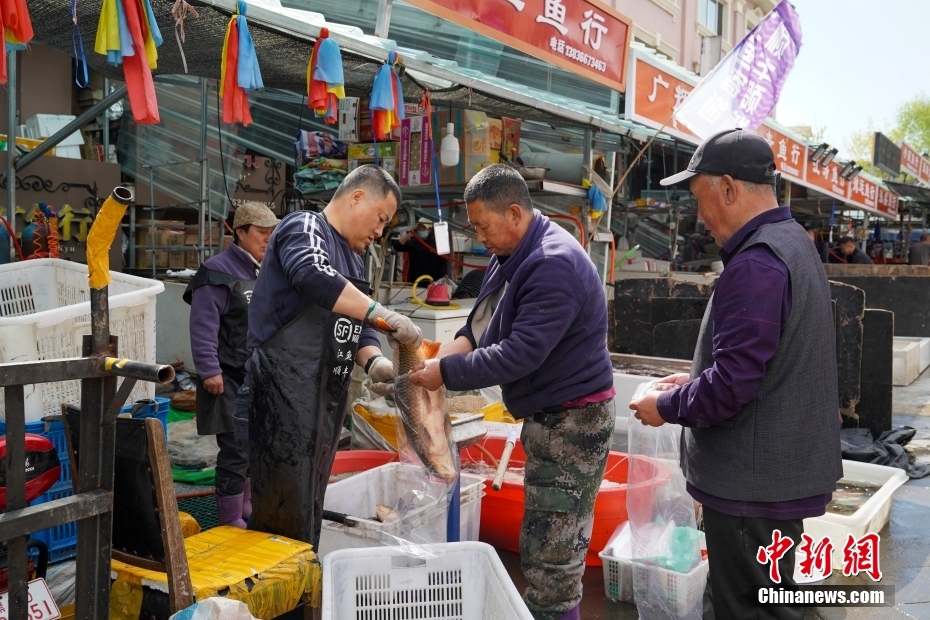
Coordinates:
x,y
360,460
502,511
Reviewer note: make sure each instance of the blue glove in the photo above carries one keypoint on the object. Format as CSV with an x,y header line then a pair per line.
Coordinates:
x,y
241,414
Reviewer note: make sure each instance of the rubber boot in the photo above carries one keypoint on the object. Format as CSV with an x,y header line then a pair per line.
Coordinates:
x,y
247,500
572,614
230,510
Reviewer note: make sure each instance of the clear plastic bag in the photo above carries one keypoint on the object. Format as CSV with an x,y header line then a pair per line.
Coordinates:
x,y
665,543
424,440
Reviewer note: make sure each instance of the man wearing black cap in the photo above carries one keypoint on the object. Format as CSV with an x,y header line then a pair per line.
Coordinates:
x,y
760,447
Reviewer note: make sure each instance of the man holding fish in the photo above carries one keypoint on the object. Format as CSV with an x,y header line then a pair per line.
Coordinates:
x,y
539,330
309,324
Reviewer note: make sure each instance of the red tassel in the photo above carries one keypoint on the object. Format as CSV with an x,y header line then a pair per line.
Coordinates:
x,y
235,99
137,72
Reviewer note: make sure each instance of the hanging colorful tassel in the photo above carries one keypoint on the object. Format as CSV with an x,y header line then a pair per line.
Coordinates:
x,y
325,79
386,102
16,27
240,72
128,34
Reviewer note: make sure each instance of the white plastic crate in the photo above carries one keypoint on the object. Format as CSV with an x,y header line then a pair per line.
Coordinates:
x,y
871,516
683,591
467,581
357,497
45,312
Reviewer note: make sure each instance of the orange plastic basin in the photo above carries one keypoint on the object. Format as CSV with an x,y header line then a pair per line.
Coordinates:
x,y
502,511
360,460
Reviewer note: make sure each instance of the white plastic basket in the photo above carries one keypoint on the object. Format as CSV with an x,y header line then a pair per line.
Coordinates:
x,y
467,581
683,591
45,312
357,497
871,516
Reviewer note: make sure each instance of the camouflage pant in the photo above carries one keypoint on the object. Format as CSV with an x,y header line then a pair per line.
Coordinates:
x,y
564,467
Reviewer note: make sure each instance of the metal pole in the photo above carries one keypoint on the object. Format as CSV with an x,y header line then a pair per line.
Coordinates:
x,y
11,150
204,180
383,24
105,125
649,169
152,214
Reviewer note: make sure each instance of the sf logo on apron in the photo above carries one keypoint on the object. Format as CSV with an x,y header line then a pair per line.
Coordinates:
x,y
343,330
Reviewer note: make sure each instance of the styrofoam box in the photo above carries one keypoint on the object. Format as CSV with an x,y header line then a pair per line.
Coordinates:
x,y
45,312
357,497
924,344
47,125
906,362
871,516
466,581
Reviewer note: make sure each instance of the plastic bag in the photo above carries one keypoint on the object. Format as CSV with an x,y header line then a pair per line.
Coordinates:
x,y
424,440
215,608
188,450
666,545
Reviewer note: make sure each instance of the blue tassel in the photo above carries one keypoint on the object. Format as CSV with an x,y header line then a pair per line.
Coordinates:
x,y
249,74
329,64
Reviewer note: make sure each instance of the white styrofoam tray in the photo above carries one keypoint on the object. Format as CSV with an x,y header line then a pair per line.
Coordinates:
x,y
871,516
465,581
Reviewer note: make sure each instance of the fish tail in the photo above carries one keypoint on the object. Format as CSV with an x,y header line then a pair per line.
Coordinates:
x,y
383,325
430,349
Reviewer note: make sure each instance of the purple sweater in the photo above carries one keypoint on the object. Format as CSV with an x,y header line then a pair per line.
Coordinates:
x,y
302,267
209,303
752,303
546,343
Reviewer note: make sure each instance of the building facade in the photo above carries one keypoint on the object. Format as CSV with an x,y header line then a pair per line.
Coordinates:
x,y
678,28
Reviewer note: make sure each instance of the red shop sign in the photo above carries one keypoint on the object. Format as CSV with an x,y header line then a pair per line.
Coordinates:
x,y
585,37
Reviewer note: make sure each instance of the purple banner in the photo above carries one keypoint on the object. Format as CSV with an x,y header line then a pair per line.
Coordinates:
x,y
743,89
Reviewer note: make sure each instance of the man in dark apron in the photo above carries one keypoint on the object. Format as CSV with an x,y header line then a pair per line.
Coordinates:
x,y
219,298
306,330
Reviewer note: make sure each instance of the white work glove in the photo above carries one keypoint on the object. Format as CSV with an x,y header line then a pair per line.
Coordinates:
x,y
400,327
381,370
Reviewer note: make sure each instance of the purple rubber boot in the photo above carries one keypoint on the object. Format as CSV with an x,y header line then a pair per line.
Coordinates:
x,y
247,500
572,614
230,510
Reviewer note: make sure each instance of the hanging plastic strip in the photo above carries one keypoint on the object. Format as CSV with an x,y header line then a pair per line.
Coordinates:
x,y
77,48
180,11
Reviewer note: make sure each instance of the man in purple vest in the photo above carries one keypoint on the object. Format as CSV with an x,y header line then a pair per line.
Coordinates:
x,y
760,443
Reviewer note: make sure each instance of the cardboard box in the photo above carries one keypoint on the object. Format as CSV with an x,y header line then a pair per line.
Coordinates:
x,y
191,259
369,150
388,163
192,234
175,237
144,259
471,129
495,134
510,145
348,119
177,259
415,161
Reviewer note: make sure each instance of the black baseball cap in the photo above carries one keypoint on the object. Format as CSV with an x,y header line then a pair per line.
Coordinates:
x,y
742,154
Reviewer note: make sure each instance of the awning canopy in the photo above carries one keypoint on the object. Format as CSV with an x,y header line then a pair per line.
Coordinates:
x,y
283,40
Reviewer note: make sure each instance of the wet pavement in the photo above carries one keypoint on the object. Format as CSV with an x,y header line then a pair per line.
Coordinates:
x,y
904,549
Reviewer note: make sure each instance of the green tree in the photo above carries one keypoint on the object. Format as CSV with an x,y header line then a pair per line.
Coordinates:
x,y
913,123
860,147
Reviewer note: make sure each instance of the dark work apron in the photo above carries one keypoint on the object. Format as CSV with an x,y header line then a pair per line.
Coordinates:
x,y
299,381
215,411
